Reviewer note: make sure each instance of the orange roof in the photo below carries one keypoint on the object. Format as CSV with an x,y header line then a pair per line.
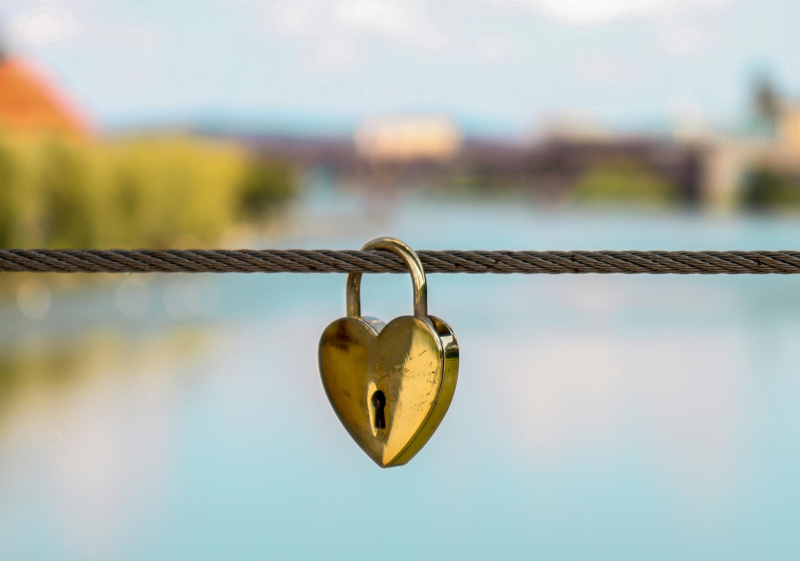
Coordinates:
x,y
28,102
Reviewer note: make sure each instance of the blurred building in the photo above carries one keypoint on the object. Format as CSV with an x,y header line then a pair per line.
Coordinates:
x,y
29,102
708,169
771,142
408,139
552,166
389,152
334,154
788,129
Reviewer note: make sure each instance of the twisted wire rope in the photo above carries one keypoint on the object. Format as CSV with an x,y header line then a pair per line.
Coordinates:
x,y
378,261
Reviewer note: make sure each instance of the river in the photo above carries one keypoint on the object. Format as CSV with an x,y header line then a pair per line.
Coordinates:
x,y
596,417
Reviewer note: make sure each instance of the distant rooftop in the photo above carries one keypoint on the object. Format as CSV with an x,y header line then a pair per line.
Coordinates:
x,y
29,102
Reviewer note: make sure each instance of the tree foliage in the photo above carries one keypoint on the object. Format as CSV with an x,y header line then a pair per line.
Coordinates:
x,y
142,192
768,189
624,183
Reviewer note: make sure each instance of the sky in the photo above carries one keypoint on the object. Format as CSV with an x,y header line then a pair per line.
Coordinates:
x,y
494,65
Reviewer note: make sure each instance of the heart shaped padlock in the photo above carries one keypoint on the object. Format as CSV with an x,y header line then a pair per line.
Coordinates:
x,y
390,385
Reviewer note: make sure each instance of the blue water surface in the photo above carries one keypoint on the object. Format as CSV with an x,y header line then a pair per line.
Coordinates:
x,y
596,417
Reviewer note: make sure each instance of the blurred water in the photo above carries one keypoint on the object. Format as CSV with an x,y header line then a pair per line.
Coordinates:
x,y
596,417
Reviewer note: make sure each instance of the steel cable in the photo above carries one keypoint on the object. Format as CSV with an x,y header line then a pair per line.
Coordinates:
x,y
449,261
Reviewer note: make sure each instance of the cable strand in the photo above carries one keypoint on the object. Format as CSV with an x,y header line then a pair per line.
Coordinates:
x,y
376,261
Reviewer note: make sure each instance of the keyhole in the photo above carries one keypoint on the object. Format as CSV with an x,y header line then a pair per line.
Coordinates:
x,y
379,404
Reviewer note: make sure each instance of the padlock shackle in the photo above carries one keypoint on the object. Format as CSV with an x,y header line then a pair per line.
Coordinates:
x,y
414,265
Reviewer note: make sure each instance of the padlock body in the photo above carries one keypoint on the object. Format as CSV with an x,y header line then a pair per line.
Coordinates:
x,y
412,362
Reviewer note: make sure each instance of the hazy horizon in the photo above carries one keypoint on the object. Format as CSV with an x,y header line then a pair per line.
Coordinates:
x,y
497,66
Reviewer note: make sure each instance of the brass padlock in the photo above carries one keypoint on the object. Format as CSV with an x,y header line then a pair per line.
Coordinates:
x,y
390,384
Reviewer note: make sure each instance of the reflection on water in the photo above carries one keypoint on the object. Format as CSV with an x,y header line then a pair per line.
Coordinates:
x,y
40,370
602,417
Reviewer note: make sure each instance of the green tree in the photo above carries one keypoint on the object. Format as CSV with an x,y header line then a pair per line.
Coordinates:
x,y
266,185
766,99
68,213
768,189
624,183
8,210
